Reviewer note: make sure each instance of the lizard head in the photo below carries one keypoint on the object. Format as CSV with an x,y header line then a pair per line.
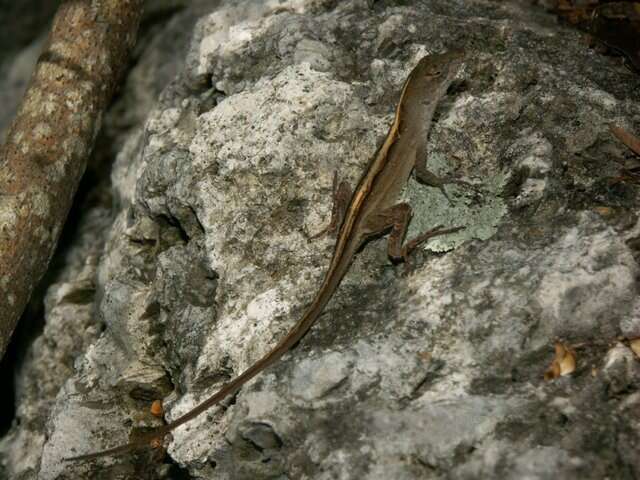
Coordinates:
x,y
426,84
439,68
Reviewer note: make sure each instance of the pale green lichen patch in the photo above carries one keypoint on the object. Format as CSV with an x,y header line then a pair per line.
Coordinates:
x,y
42,131
479,213
17,138
32,101
62,48
57,171
54,70
70,145
8,216
42,234
50,104
40,205
75,98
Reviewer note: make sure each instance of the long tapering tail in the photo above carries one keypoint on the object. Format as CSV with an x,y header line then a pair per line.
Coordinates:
x,y
336,271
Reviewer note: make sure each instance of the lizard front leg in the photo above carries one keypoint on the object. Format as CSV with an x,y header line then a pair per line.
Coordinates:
x,y
397,219
425,176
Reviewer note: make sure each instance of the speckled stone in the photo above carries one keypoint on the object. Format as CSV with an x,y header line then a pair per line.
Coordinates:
x,y
435,374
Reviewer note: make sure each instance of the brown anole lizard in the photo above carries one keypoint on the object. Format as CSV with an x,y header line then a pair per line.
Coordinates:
x,y
371,211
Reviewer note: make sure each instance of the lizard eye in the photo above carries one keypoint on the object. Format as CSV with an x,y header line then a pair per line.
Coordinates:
x,y
435,73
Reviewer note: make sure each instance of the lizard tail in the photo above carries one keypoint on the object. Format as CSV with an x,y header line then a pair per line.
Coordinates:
x,y
334,275
126,448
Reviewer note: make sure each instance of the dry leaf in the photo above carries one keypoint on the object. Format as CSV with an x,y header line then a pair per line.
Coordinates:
x,y
635,346
552,372
563,364
568,362
156,443
604,211
617,25
424,355
631,141
156,408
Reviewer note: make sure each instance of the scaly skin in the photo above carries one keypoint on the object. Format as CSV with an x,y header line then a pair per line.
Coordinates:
x,y
371,211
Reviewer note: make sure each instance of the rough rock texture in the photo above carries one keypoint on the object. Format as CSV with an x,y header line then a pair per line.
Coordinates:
x,y
436,374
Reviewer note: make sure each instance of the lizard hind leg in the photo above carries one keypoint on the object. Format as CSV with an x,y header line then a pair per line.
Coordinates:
x,y
341,196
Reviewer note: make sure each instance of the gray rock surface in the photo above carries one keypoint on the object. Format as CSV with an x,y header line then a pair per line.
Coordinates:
x,y
206,259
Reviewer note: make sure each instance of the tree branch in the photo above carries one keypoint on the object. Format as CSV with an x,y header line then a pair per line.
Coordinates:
x,y
51,138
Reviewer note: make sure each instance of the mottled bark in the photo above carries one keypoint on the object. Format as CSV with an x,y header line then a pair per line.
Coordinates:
x,y
52,136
